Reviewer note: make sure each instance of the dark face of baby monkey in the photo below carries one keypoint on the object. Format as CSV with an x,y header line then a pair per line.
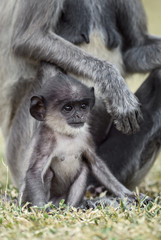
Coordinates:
x,y
63,103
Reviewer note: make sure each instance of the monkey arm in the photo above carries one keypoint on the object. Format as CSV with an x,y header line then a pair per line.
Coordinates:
x,y
34,39
78,188
105,177
141,51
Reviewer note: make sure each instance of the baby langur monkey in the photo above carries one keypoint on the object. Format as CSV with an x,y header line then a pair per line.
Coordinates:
x,y
63,152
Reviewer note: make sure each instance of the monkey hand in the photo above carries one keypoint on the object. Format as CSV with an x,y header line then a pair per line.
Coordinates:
x,y
120,102
129,120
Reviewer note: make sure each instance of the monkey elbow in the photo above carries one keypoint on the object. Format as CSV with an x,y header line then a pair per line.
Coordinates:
x,y
21,45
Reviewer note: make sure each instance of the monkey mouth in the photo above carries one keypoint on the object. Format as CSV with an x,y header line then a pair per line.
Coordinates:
x,y
77,125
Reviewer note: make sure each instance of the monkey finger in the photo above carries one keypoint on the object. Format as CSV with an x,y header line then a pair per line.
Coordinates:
x,y
135,127
128,128
140,199
139,116
130,124
107,201
88,204
145,199
124,125
119,125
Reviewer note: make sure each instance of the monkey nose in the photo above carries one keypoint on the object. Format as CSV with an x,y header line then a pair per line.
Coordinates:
x,y
79,116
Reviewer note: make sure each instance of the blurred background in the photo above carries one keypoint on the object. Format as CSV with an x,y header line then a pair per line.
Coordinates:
x,y
151,184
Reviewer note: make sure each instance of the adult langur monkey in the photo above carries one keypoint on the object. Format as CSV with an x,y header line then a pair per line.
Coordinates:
x,y
35,30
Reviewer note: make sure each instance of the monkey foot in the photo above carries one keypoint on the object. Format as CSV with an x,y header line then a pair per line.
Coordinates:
x,y
115,202
105,201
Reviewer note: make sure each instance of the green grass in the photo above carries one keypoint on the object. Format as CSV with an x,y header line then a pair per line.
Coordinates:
x,y
67,223
138,223
108,223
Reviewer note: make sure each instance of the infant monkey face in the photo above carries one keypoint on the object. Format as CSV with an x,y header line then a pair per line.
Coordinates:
x,y
76,112
63,100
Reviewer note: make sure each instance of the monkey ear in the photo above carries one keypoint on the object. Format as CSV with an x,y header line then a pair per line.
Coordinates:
x,y
37,108
92,96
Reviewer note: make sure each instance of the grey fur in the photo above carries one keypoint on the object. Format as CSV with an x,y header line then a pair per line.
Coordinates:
x,y
28,30
137,153
33,38
29,34
56,161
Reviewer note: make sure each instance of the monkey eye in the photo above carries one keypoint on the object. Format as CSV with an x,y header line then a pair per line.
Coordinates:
x,y
68,108
84,105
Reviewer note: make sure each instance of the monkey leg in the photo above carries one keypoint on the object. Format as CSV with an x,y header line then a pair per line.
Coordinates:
x,y
145,57
141,51
77,189
130,157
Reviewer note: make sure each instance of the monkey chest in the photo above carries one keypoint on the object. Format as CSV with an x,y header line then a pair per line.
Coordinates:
x,y
65,171
65,168
66,162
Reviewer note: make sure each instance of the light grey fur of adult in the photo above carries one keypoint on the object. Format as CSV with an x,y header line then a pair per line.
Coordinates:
x,y
24,44
14,155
